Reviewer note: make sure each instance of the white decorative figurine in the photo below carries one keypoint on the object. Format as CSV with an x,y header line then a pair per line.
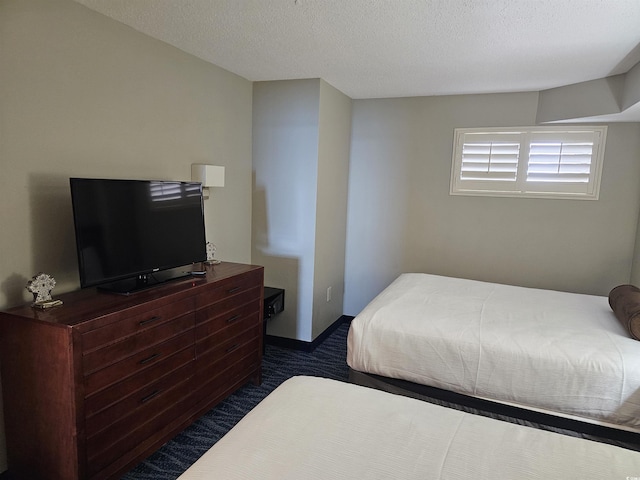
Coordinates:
x,y
211,252
40,286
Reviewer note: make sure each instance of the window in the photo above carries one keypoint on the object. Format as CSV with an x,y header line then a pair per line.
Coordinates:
x,y
549,162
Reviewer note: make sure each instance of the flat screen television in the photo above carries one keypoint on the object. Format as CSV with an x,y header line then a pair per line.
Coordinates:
x,y
133,234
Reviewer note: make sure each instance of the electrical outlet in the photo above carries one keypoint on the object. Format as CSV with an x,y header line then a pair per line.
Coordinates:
x,y
329,294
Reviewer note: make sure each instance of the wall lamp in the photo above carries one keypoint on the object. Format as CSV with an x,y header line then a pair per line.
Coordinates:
x,y
208,175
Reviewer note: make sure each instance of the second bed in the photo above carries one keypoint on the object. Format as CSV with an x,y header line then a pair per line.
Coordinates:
x,y
556,353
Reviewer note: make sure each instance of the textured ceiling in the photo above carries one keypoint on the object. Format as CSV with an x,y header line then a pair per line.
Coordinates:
x,y
399,48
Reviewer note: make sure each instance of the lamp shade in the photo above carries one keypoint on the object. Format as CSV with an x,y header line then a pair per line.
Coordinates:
x,y
208,175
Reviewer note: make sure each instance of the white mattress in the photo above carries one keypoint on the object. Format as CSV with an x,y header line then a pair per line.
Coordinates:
x,y
541,349
312,428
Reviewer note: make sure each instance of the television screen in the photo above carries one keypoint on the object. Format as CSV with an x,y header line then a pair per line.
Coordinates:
x,y
130,233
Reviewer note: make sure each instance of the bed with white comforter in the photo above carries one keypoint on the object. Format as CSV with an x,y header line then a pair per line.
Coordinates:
x,y
549,351
313,428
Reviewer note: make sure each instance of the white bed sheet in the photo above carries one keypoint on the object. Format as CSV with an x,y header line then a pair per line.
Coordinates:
x,y
540,349
312,428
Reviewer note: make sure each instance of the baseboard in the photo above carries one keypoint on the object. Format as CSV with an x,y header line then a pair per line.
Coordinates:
x,y
294,344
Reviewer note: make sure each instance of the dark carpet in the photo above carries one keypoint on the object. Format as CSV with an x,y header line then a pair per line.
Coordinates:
x,y
327,360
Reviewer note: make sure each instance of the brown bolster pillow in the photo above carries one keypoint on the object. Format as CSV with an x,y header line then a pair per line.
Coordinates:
x,y
625,303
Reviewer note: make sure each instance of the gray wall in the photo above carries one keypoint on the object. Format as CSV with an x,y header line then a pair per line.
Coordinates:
x,y
301,131
402,218
285,162
82,95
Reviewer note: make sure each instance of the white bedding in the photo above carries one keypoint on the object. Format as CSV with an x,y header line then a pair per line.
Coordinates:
x,y
541,349
312,428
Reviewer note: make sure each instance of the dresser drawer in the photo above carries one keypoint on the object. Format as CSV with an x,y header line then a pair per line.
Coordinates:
x,y
213,380
251,296
211,334
116,401
230,287
137,362
105,356
163,416
226,354
136,320
131,412
146,406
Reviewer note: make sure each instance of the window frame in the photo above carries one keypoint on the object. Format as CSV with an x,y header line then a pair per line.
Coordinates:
x,y
520,187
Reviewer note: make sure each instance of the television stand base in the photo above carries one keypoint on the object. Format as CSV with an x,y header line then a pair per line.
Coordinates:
x,y
132,285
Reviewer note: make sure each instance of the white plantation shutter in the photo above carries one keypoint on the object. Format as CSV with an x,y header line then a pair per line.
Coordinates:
x,y
534,161
490,160
563,161
559,162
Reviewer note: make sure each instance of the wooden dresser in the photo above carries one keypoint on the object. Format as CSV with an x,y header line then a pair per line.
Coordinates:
x,y
94,386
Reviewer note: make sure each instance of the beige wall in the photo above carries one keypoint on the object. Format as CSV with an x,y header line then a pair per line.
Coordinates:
x,y
331,214
402,218
82,95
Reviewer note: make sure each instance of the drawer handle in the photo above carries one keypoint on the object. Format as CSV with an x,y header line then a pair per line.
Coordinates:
x,y
234,290
233,319
148,359
232,348
153,394
149,320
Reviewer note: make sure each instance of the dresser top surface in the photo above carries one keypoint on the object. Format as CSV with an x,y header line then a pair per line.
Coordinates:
x,y
83,304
